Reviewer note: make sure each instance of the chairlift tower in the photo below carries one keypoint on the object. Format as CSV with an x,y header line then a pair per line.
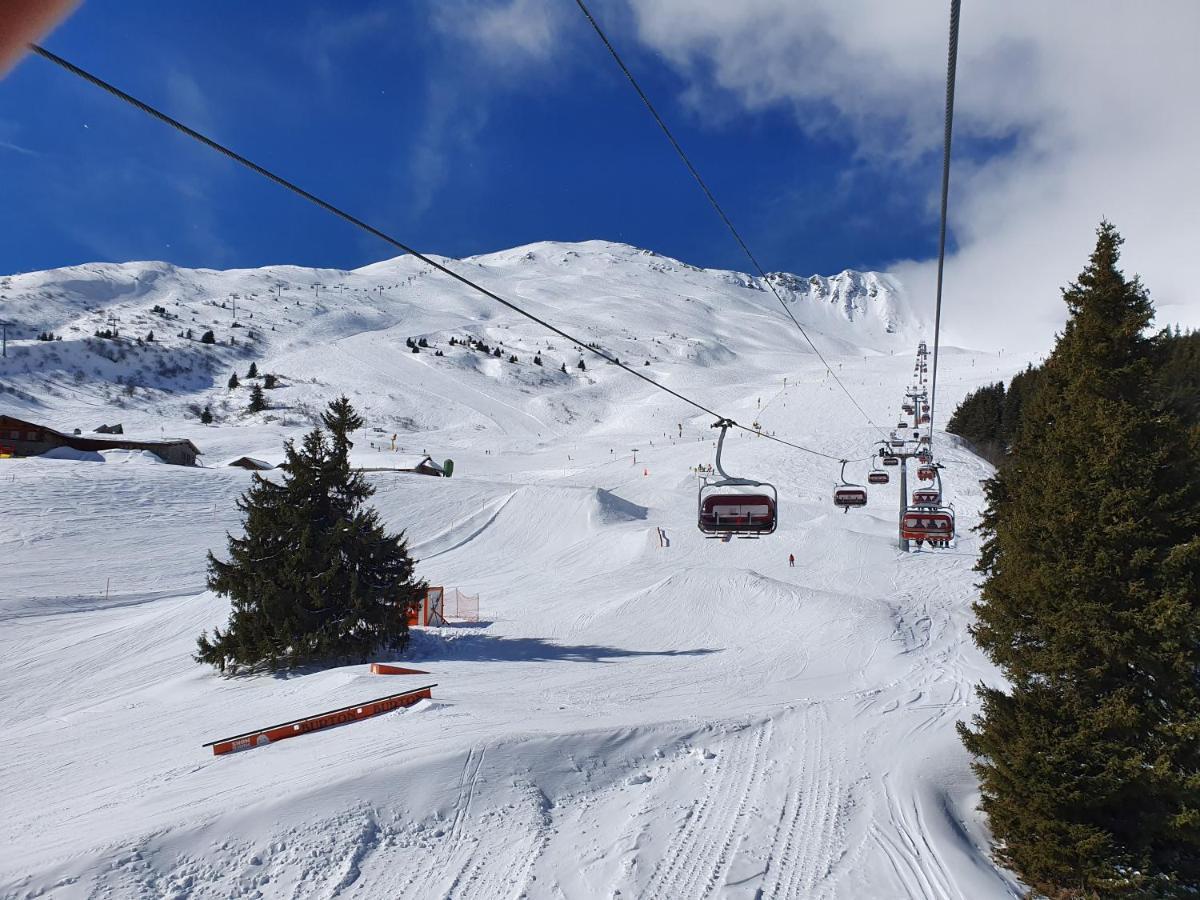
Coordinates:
x,y
904,455
916,398
4,326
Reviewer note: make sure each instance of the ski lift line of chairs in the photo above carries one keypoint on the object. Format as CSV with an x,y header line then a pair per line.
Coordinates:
x,y
847,495
726,508
926,519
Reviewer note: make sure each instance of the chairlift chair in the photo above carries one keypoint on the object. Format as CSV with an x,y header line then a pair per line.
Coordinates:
x,y
927,497
877,476
846,495
932,524
723,513
926,473
891,460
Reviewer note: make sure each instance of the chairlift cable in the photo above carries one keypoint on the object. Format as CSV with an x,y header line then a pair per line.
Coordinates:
x,y
717,206
370,229
951,71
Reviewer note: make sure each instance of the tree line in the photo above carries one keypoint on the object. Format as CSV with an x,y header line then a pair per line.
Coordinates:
x,y
987,418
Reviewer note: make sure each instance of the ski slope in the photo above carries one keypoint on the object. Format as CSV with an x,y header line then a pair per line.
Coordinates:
x,y
628,720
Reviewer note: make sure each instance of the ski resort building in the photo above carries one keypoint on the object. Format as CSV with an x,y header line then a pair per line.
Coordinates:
x,y
21,438
249,462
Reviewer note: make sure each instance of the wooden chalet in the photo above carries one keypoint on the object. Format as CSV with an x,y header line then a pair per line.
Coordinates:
x,y
19,437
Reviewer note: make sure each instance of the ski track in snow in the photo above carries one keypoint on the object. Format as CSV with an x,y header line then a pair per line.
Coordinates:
x,y
627,720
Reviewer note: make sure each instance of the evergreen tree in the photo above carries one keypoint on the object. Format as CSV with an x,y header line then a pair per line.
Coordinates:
x,y
979,419
1090,762
253,371
582,367
1020,389
206,416
258,402
315,577
1179,374
233,381
268,381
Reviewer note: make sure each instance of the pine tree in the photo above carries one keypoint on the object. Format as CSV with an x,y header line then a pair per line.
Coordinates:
x,y
253,371
208,338
1090,763
315,577
979,419
258,402
233,381
206,416
268,381
582,367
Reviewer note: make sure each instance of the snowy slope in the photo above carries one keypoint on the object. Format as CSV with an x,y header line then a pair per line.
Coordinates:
x,y
629,720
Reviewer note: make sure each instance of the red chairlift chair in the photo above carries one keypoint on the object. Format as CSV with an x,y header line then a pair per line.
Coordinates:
x,y
722,512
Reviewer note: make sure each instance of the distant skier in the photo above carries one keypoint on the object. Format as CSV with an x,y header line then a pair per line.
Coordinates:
x,y
791,560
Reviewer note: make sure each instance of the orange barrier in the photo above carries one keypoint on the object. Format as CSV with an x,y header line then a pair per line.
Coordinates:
x,y
329,719
385,669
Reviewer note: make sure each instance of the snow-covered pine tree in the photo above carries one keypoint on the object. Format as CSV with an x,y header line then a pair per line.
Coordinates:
x,y
315,577
258,401
1090,605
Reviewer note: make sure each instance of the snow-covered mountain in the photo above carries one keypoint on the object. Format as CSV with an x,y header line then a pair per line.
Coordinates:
x,y
636,304
640,712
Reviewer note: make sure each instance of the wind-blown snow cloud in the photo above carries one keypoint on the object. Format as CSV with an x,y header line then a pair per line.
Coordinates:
x,y
1066,112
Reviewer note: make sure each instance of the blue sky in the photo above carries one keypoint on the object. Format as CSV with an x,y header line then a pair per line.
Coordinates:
x,y
453,140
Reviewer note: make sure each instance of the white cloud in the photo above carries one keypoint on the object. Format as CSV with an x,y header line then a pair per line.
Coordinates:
x,y
511,33
1093,100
